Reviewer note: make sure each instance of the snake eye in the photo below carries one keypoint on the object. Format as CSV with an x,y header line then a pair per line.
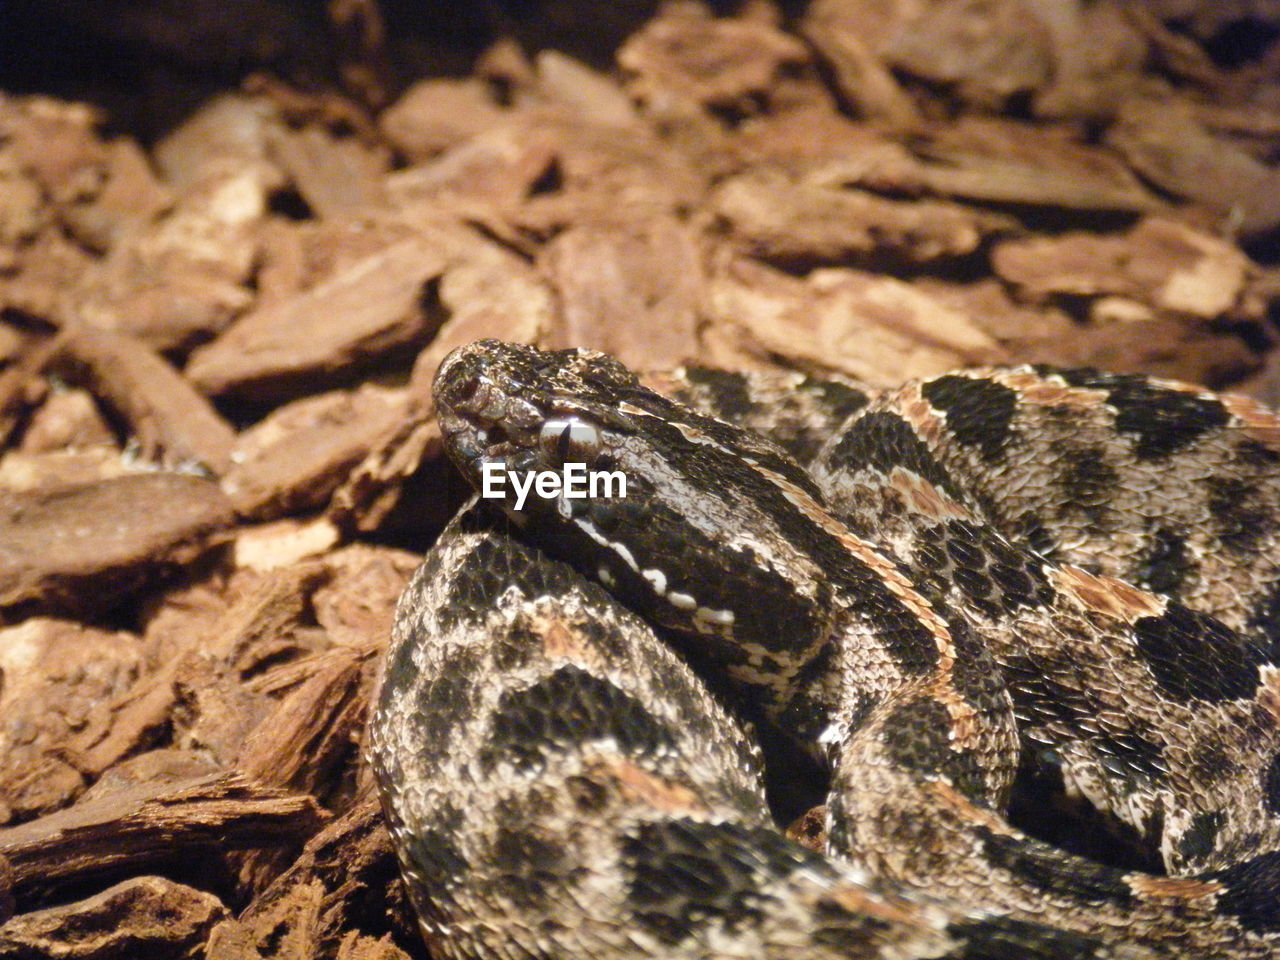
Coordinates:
x,y
569,441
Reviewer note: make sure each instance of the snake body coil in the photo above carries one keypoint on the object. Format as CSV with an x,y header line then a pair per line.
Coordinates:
x,y
984,592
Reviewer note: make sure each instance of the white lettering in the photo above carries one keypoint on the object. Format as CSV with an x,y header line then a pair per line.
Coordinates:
x,y
573,482
493,475
578,472
521,491
548,484
612,480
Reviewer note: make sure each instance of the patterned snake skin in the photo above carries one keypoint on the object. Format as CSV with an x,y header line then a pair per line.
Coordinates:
x,y
989,598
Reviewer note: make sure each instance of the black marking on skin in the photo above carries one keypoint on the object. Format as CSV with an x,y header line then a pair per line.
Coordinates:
x,y
528,868
441,708
401,670
1036,536
727,391
515,648
1241,521
1135,758
1198,840
916,737
1055,873
990,573
1001,938
979,412
1166,565
684,874
840,400
777,618
1252,893
1164,421
1195,657
1088,483
484,573
1271,786
1040,699
589,796
768,608
433,855
1253,453
854,934
568,708
974,674
882,441
1211,764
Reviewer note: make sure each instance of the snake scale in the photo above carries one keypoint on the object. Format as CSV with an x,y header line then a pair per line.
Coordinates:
x,y
967,610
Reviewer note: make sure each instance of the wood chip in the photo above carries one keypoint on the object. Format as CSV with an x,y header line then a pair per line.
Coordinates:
x,y
60,678
436,114
1160,262
798,224
365,310
633,292
347,870
170,421
141,916
855,323
86,547
1168,145
292,460
66,422
722,63
152,824
986,52
302,742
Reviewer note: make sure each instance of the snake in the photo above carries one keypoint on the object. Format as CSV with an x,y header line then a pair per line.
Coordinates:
x,y
1003,643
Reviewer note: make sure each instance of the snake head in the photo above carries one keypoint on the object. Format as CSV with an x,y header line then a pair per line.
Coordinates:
x,y
527,409
712,533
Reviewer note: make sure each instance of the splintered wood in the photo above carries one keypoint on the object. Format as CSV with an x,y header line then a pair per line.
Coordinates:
x,y
218,333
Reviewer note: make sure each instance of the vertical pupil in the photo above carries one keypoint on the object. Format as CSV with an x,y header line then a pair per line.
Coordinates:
x,y
562,445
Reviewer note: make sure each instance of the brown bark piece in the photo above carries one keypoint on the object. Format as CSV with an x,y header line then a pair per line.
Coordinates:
x,y
347,871
56,141
59,678
150,824
282,543
864,80
130,196
21,211
364,310
855,323
1161,262
83,547
357,605
685,54
22,385
797,223
633,292
986,51
434,115
1167,144
1006,162
301,743
298,455
22,472
167,417
67,421
142,916
333,175
589,95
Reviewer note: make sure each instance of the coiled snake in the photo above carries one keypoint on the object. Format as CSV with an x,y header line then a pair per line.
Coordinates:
x,y
984,593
